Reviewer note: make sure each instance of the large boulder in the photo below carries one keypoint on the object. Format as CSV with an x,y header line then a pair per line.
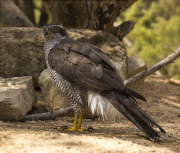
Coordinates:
x,y
54,99
22,50
17,96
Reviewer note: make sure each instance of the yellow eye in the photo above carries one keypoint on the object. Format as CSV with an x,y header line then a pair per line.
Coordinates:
x,y
43,30
56,28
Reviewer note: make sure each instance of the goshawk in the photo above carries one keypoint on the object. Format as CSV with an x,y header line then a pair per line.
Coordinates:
x,y
89,78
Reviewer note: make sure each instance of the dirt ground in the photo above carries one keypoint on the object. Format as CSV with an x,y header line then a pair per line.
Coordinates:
x,y
41,137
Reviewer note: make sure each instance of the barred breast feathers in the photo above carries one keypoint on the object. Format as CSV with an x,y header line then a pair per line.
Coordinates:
x,y
98,104
62,84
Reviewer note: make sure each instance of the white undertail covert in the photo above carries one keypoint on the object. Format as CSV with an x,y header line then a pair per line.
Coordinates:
x,y
102,106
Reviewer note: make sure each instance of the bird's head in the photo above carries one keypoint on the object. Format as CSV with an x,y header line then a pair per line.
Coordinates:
x,y
54,31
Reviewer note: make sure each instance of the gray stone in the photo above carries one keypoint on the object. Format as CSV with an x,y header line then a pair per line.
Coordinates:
x,y
22,50
135,66
17,96
22,53
120,68
54,99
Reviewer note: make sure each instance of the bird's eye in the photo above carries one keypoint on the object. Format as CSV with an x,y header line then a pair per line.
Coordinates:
x,y
43,30
56,28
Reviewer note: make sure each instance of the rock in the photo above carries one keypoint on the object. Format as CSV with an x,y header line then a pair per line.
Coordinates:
x,y
135,66
120,68
22,53
17,96
22,50
54,99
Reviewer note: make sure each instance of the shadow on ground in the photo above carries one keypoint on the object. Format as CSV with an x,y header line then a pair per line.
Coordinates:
x,y
162,105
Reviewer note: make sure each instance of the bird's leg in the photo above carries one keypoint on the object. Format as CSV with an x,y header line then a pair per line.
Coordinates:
x,y
89,129
74,128
75,122
79,123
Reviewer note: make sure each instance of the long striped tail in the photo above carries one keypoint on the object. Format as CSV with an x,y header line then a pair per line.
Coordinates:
x,y
125,104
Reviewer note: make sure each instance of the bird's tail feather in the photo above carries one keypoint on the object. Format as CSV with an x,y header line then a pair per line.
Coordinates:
x,y
133,113
132,93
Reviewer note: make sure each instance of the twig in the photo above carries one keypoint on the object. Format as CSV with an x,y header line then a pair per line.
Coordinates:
x,y
168,60
49,115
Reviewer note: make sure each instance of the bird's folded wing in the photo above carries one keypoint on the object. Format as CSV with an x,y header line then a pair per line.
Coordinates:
x,y
85,65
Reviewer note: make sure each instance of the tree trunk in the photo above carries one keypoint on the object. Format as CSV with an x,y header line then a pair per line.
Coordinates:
x,y
91,14
11,15
45,13
27,7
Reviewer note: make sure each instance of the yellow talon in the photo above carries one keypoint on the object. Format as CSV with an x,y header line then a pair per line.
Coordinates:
x,y
66,129
81,129
76,127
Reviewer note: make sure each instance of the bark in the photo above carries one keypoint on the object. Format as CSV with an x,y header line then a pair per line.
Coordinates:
x,y
11,15
122,30
45,13
49,115
91,14
122,6
27,7
168,60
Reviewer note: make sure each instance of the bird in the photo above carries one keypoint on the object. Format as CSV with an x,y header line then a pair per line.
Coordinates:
x,y
90,79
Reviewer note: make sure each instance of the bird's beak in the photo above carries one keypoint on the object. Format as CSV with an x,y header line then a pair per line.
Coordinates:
x,y
45,31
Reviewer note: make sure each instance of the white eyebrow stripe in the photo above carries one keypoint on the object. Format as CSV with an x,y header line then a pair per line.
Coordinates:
x,y
58,26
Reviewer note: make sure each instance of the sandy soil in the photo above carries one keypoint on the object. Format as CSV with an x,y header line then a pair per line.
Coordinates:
x,y
41,137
